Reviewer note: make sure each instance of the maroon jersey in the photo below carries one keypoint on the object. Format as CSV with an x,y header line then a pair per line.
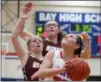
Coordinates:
x,y
31,67
50,46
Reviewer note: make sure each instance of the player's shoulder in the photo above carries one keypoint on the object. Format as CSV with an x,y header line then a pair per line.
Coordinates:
x,y
50,54
53,53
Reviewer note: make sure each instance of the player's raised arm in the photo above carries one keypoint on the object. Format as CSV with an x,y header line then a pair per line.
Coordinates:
x,y
25,13
18,29
86,52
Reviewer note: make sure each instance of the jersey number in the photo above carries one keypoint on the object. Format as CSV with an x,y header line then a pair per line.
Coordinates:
x,y
36,65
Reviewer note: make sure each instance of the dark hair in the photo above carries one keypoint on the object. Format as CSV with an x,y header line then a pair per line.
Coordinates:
x,y
28,42
80,42
61,34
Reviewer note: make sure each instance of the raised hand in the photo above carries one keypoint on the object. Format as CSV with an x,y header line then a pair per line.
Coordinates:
x,y
25,11
86,37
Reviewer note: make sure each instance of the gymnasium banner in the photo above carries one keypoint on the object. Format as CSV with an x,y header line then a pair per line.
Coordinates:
x,y
74,23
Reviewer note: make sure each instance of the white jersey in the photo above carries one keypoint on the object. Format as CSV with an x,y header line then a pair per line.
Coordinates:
x,y
58,62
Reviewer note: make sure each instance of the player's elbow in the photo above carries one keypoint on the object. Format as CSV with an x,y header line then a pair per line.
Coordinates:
x,y
13,36
88,57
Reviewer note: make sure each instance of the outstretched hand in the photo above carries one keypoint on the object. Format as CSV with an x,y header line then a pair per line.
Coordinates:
x,y
25,11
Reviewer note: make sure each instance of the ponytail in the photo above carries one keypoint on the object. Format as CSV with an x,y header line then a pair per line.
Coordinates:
x,y
80,42
61,34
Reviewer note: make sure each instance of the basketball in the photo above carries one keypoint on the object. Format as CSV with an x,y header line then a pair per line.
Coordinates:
x,y
77,69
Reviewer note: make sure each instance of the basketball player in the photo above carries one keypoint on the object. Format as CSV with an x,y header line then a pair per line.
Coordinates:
x,y
53,65
30,60
53,40
52,30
